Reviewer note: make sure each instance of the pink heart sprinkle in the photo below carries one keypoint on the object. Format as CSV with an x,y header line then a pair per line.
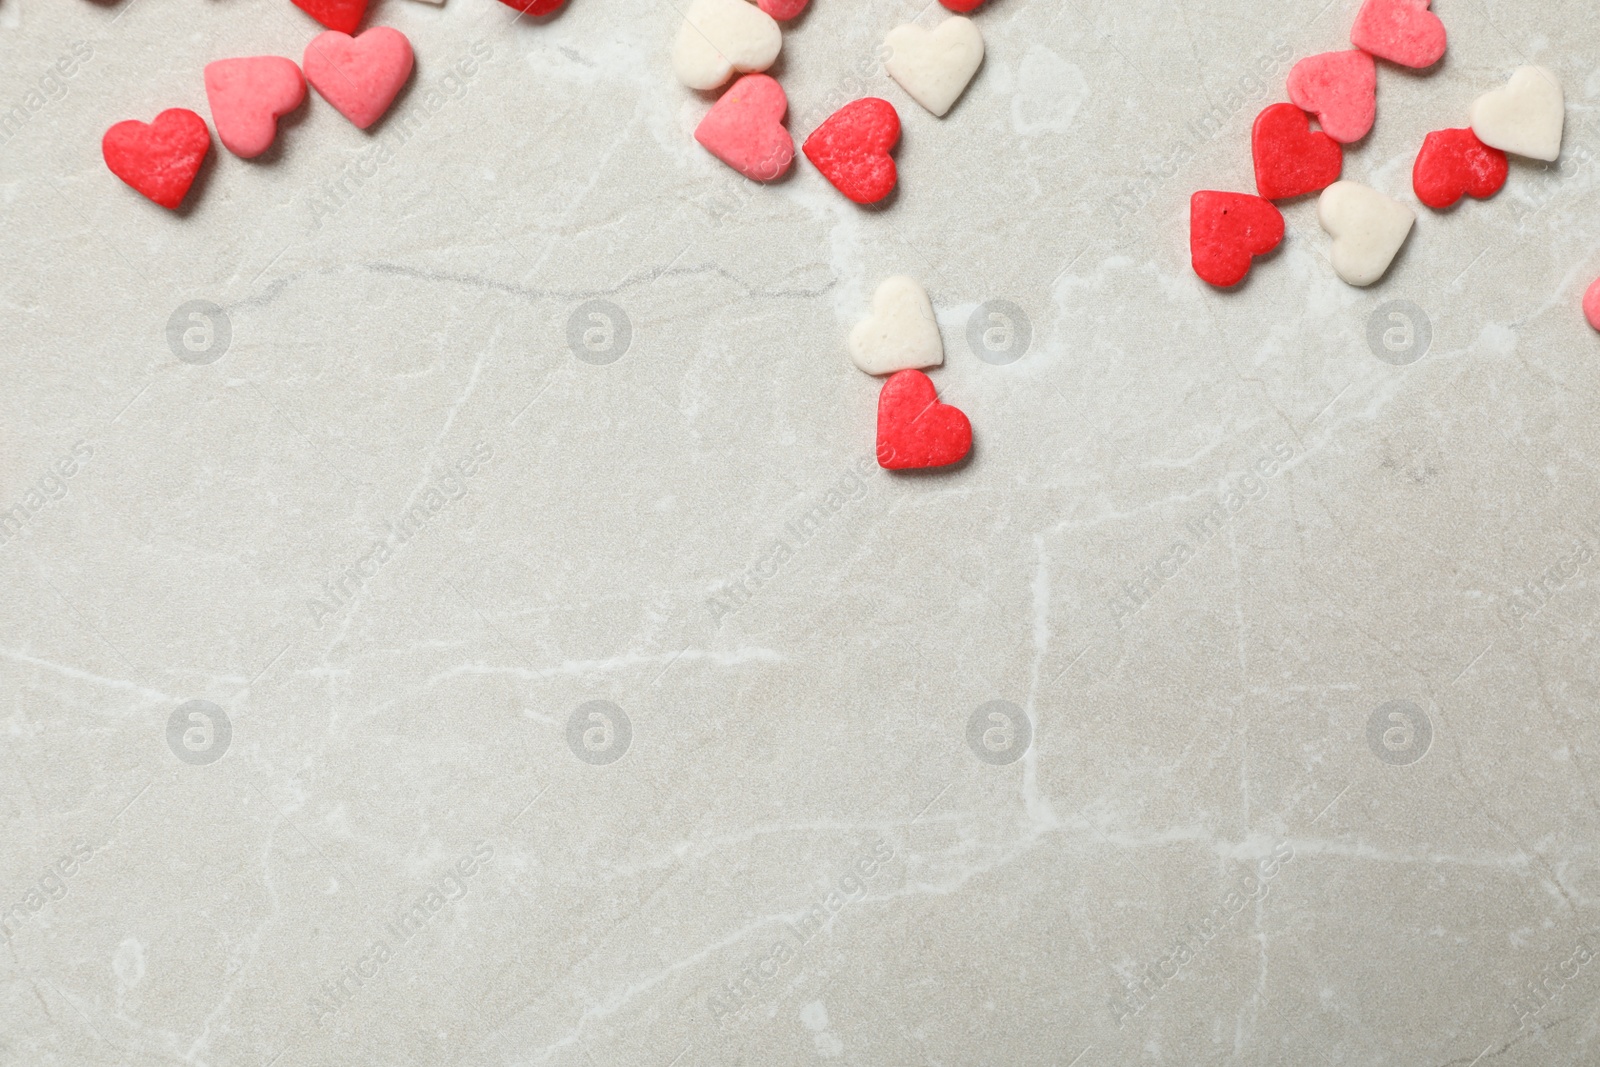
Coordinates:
x,y
359,76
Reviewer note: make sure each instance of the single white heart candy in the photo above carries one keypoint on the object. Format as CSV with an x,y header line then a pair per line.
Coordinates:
x,y
719,37
1367,228
934,66
1524,117
902,333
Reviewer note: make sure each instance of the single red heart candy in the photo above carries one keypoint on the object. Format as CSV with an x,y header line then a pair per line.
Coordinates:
x,y
851,149
1291,158
961,7
535,7
161,158
1401,31
1453,164
1227,231
784,10
914,429
341,15
744,128
1341,89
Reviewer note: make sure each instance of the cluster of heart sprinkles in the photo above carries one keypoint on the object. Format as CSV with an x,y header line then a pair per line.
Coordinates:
x,y
1524,118
745,130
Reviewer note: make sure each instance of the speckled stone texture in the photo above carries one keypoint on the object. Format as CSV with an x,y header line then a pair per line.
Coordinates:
x,y
450,613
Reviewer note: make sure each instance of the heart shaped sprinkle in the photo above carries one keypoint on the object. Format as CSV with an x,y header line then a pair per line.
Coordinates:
x,y
851,148
1401,31
341,15
1291,158
1367,228
247,96
1591,305
745,130
1453,164
1524,117
1227,231
359,76
901,334
782,10
914,429
1341,89
962,7
935,65
158,159
536,8
719,37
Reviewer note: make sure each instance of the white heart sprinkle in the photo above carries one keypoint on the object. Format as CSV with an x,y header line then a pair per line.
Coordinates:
x,y
934,66
719,37
1524,117
1367,228
901,334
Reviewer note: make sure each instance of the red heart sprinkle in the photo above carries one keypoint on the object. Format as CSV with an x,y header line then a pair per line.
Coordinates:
x,y
914,429
1401,31
1227,231
1291,158
341,15
851,149
784,10
159,159
535,7
961,7
1454,163
744,128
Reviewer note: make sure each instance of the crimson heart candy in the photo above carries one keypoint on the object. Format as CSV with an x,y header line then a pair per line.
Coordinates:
x,y
961,7
1454,163
914,429
1291,158
341,15
1227,231
535,7
851,149
159,159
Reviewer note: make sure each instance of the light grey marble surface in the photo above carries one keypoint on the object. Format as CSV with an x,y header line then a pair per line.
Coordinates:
x,y
396,536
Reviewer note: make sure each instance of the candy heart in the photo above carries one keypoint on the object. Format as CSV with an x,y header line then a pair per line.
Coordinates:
x,y
1525,117
1401,31
782,10
1591,305
1227,231
359,76
719,37
159,159
1367,228
247,96
745,130
851,148
341,15
901,334
914,429
1291,158
530,7
1454,163
934,66
962,7
1341,89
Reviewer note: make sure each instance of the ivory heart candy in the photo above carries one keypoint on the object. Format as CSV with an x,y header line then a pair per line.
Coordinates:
x,y
1401,31
161,158
914,429
934,66
341,15
851,148
719,37
1291,158
782,10
359,76
529,7
1227,231
1525,117
1453,164
745,130
1367,228
247,96
1341,89
1591,305
902,333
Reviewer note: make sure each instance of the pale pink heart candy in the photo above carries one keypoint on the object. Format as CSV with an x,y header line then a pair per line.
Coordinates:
x,y
1341,89
247,96
360,76
1591,305
745,130
783,10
